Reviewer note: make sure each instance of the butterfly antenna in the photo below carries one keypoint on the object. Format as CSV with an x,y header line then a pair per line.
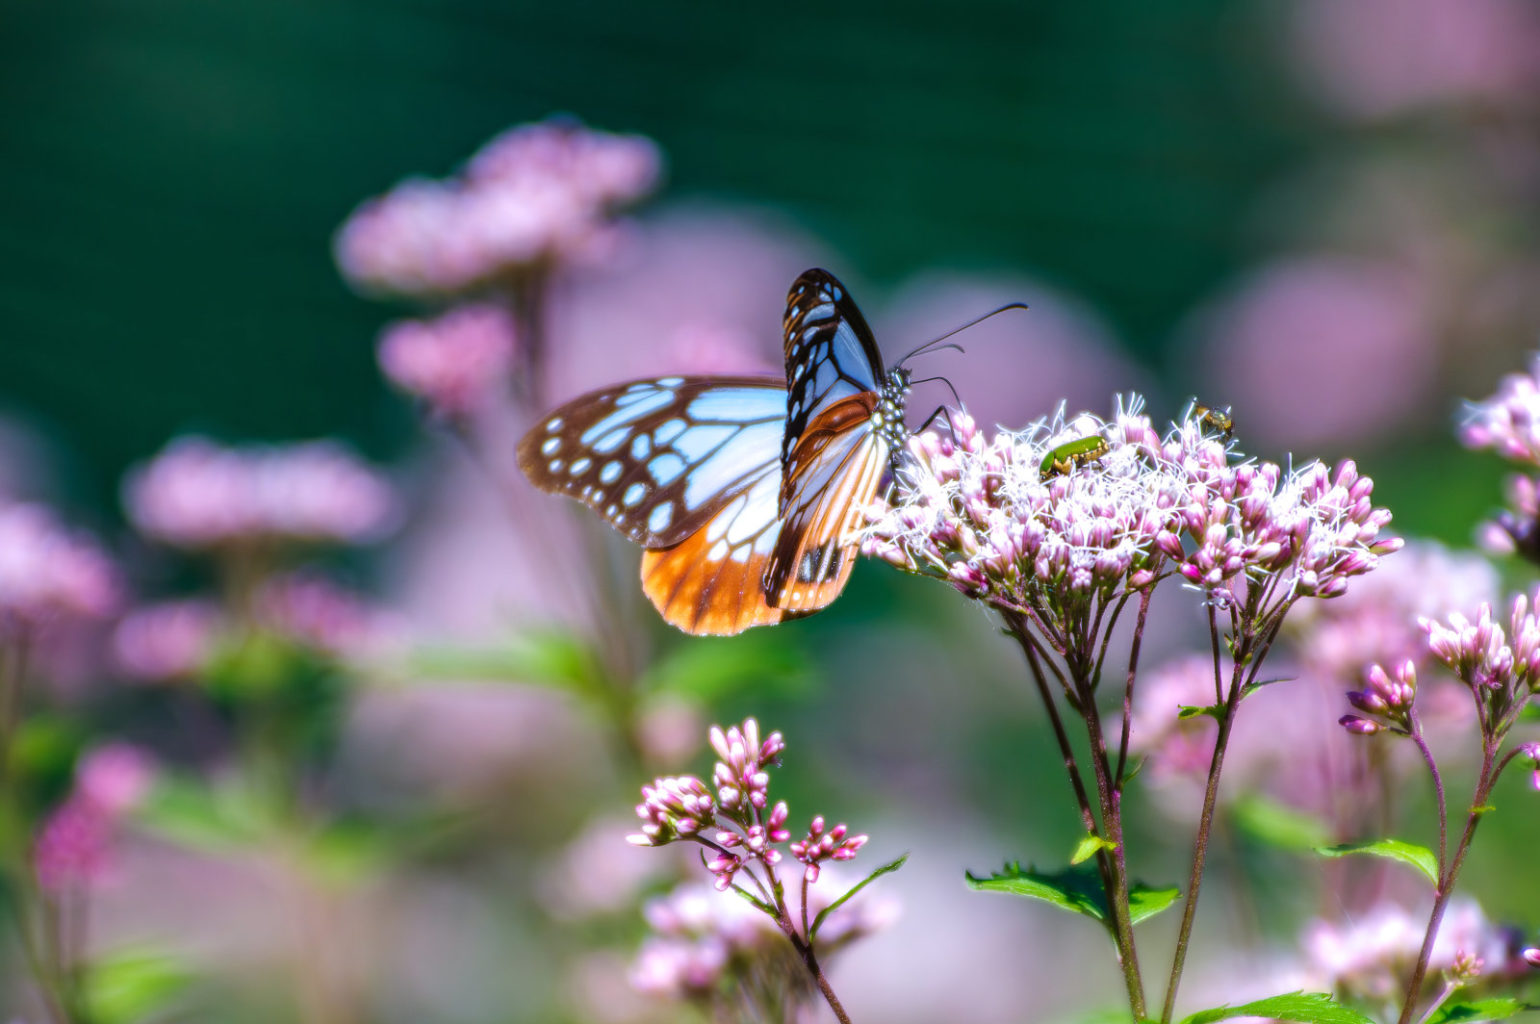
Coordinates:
x,y
949,387
934,343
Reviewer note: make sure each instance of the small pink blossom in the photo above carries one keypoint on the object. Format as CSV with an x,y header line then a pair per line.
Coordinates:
x,y
317,612
820,845
75,844
167,641
1509,421
49,572
538,194
456,362
197,494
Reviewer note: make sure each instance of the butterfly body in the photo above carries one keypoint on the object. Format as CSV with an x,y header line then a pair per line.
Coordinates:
x,y
748,493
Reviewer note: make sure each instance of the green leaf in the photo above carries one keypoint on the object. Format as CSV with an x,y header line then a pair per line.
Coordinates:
x,y
557,658
755,901
1530,712
1309,1007
1187,711
1410,854
1077,889
887,868
192,813
131,985
1279,825
1481,1009
1145,902
1088,847
710,671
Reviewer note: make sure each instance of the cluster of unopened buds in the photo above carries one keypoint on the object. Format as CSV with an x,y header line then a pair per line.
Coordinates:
x,y
1072,508
736,823
1387,698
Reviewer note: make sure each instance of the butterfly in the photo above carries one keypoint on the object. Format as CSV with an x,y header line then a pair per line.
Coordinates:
x,y
748,493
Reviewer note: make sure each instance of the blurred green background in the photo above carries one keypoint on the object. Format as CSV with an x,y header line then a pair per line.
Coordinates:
x,y
174,170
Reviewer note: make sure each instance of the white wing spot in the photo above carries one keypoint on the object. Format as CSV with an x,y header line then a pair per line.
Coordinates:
x,y
580,466
553,424
669,382
641,447
556,465
658,518
610,473
718,551
667,432
550,446
634,494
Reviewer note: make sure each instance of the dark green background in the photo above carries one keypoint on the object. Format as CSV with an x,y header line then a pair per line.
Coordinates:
x,y
173,170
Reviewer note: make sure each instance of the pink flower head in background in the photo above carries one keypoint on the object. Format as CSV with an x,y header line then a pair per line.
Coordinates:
x,y
74,846
1370,957
1380,58
535,195
1291,346
197,494
167,641
319,613
456,362
1509,421
49,572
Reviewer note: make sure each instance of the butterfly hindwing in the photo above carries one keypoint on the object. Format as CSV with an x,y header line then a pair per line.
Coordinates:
x,y
658,458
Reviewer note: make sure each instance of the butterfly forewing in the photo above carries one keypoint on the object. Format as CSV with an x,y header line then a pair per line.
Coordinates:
x,y
830,354
659,458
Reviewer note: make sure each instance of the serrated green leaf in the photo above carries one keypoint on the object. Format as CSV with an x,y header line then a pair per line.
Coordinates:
x,y
1088,847
887,868
1307,1007
1479,1010
1279,825
1077,889
1145,902
1410,854
127,986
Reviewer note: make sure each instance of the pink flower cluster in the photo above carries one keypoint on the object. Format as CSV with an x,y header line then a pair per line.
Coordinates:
x,y
197,494
732,822
535,195
48,572
456,362
1387,698
1486,658
1509,421
166,641
74,846
991,519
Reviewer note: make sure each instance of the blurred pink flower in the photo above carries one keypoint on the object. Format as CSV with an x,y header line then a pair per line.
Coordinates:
x,y
318,612
1018,365
1380,58
1295,346
197,494
1371,957
75,844
456,362
48,572
534,195
165,641
1376,621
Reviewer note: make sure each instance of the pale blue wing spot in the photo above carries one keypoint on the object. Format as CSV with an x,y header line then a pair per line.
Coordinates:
x,y
640,447
669,382
609,442
822,311
550,446
850,354
809,334
633,494
644,403
658,519
753,449
698,442
665,433
556,465
580,466
637,392
554,424
610,473
738,405
761,507
665,469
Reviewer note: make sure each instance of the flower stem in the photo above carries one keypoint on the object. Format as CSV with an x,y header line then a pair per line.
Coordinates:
x,y
804,947
1448,873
